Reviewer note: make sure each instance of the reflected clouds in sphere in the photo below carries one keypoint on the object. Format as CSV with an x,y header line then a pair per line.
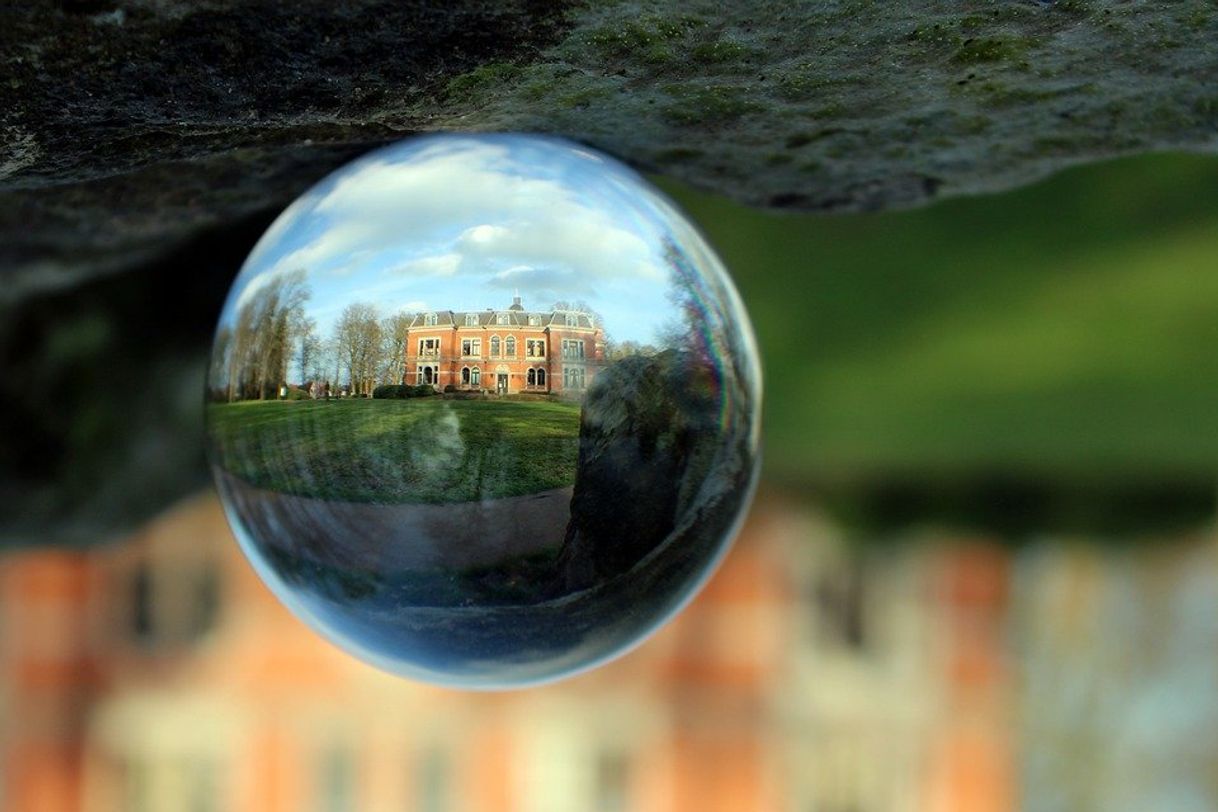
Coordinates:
x,y
483,409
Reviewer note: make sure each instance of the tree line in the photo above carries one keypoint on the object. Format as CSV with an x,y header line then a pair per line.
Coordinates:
x,y
272,348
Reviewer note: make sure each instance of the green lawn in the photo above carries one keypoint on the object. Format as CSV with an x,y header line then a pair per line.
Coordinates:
x,y
1065,332
426,450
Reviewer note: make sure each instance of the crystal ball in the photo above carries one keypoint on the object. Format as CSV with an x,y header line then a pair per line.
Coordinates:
x,y
483,410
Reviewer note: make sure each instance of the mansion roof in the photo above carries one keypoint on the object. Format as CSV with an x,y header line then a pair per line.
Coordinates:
x,y
503,318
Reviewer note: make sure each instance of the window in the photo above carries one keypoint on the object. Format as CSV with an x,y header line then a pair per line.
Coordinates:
x,y
188,783
534,320
541,377
471,347
336,779
612,781
465,376
573,377
511,346
475,376
494,346
174,605
840,599
434,782
535,348
532,377
471,319
572,320
429,347
502,318
572,348
429,319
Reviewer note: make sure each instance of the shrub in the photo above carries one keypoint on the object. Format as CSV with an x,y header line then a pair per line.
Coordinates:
x,y
391,390
450,388
422,390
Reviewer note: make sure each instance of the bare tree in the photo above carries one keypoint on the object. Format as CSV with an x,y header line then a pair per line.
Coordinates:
x,y
357,335
221,358
579,306
261,337
394,332
309,347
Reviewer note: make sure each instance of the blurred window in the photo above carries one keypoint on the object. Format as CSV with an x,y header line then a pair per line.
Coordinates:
x,y
429,320
840,604
612,780
174,604
170,785
337,776
434,781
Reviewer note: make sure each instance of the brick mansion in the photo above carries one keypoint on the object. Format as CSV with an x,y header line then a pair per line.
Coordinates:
x,y
505,351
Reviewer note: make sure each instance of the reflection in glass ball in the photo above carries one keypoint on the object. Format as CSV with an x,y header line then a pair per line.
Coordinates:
x,y
483,409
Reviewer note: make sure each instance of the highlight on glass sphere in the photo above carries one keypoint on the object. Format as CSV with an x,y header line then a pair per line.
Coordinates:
x,y
483,409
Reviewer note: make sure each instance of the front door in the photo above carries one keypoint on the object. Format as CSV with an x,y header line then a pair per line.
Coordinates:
x,y
501,384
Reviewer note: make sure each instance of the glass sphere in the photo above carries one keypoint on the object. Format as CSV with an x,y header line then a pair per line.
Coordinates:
x,y
483,409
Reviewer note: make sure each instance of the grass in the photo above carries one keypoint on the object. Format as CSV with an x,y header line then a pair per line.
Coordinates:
x,y
1065,331
423,451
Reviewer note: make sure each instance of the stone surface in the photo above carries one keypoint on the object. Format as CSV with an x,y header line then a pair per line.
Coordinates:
x,y
144,144
640,416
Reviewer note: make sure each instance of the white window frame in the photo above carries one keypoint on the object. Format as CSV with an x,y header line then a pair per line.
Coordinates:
x,y
573,377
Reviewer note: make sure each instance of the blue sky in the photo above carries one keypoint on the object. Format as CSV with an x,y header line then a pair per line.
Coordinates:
x,y
461,222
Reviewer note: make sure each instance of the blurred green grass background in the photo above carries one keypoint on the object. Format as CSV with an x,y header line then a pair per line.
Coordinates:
x,y
1050,345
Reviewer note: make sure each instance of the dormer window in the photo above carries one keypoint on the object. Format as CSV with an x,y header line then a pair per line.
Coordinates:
x,y
471,319
572,320
534,321
502,318
429,319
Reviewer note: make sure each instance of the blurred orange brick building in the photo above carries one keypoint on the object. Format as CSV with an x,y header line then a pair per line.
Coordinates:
x,y
159,674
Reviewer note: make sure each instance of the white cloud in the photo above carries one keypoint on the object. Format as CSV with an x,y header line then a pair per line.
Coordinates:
x,y
439,265
557,283
471,194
